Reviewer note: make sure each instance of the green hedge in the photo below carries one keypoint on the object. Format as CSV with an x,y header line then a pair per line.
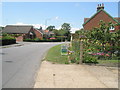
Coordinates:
x,y
90,59
44,40
7,40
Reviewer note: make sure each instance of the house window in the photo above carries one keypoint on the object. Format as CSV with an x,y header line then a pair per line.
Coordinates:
x,y
112,28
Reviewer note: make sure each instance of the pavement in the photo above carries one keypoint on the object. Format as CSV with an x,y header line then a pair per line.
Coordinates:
x,y
20,63
76,76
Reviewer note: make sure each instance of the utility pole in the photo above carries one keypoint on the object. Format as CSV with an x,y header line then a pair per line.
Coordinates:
x,y
46,22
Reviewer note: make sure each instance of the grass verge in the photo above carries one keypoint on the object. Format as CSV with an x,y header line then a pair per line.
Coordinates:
x,y
109,62
54,55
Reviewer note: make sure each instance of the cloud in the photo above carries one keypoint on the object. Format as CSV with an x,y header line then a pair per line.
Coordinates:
x,y
43,26
74,29
58,28
56,17
35,25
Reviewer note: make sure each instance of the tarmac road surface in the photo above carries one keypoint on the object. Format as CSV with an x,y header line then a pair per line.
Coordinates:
x,y
21,63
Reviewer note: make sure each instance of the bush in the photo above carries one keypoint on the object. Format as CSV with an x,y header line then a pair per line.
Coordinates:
x,y
44,40
7,40
90,59
7,37
37,39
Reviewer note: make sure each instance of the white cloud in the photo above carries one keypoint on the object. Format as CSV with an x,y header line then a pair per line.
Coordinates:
x,y
43,26
35,25
56,17
74,29
20,23
58,28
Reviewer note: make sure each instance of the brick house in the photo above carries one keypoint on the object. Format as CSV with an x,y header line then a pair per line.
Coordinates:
x,y
48,34
23,32
101,14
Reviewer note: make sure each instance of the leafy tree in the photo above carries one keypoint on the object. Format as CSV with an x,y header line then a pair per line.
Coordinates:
x,y
66,26
50,28
103,39
65,30
100,39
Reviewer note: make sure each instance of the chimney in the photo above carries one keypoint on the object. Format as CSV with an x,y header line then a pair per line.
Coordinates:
x,y
100,6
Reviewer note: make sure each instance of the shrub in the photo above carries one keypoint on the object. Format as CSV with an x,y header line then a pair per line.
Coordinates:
x,y
37,39
90,59
6,40
7,37
44,40
67,62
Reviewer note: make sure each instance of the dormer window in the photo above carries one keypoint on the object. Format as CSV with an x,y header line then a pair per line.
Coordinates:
x,y
31,33
112,28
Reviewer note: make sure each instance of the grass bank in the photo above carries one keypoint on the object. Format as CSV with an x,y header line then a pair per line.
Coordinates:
x,y
54,55
113,63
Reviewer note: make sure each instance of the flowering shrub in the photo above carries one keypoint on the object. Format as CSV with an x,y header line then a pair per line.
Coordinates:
x,y
90,59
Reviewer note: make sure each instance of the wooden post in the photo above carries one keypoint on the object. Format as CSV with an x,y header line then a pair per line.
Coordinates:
x,y
81,52
71,41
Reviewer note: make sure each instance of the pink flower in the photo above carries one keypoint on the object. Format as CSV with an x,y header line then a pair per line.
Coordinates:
x,y
100,53
109,52
107,55
94,54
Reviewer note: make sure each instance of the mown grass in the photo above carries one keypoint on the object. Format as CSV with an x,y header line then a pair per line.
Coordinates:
x,y
109,62
54,55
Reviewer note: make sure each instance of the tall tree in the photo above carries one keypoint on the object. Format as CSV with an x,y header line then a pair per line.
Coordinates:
x,y
66,26
65,29
50,28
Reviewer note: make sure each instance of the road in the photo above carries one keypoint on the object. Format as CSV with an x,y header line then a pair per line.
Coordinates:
x,y
20,64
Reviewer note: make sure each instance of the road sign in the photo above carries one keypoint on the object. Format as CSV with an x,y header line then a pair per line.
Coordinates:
x,y
64,50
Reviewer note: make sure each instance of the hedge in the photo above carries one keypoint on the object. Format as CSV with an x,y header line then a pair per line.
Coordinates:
x,y
44,40
7,40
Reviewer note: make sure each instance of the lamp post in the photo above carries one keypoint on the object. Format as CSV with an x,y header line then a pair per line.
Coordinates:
x,y
46,22
82,38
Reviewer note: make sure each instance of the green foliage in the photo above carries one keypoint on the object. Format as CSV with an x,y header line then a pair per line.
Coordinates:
x,y
7,39
66,62
50,28
90,59
4,34
37,39
44,40
99,40
54,55
66,26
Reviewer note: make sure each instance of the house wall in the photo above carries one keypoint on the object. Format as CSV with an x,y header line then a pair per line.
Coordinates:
x,y
117,27
20,38
94,22
31,36
38,34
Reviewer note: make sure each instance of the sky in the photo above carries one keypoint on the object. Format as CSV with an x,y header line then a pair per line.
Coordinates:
x,y
52,13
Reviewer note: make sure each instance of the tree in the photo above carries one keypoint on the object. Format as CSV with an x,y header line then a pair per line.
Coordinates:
x,y
107,41
40,28
66,26
65,30
50,28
